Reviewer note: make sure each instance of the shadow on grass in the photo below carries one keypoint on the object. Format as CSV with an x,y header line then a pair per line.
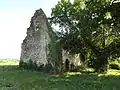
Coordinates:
x,y
87,82
29,80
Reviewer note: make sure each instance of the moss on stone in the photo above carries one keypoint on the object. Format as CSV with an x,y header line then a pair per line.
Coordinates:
x,y
55,54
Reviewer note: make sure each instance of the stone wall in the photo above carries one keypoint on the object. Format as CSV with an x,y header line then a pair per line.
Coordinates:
x,y
73,58
36,45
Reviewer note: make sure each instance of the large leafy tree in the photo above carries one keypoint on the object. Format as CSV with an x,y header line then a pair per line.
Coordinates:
x,y
89,25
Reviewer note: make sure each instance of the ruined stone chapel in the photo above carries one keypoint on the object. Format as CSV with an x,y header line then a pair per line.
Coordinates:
x,y
41,46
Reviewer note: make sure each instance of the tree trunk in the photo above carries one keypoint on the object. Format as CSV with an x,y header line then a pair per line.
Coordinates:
x,y
101,63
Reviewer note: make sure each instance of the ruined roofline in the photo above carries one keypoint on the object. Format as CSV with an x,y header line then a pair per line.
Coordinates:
x,y
39,12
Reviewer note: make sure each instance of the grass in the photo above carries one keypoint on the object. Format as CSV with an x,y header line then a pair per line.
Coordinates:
x,y
5,62
12,78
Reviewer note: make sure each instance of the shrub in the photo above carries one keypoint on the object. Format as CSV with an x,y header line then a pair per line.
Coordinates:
x,y
23,64
34,66
30,64
48,68
40,68
114,66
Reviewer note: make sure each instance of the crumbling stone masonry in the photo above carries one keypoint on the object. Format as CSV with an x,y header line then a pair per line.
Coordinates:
x,y
39,48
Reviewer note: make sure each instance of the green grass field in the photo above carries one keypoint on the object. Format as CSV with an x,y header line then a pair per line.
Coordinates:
x,y
12,78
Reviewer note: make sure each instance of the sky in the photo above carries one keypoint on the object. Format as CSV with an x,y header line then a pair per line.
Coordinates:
x,y
15,16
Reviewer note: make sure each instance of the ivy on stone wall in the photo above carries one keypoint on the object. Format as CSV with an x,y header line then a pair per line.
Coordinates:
x,y
55,54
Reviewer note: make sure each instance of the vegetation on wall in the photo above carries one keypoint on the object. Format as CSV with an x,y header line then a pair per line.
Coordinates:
x,y
55,51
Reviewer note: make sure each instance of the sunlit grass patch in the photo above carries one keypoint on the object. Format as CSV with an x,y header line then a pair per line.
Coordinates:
x,y
113,72
9,62
72,73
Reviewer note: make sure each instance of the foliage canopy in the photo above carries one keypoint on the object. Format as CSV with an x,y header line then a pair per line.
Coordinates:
x,y
89,27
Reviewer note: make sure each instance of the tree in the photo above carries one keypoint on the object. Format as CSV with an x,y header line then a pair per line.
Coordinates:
x,y
89,25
